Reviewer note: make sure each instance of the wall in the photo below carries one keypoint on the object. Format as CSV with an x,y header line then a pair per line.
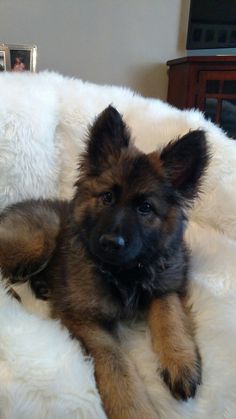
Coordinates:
x,y
124,42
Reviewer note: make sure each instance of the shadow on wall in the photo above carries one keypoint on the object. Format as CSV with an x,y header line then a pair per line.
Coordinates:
x,y
151,81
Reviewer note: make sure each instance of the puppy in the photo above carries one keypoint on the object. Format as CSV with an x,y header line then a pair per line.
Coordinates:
x,y
116,250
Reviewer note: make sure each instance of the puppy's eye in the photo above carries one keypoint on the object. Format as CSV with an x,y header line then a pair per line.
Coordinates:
x,y
144,208
107,198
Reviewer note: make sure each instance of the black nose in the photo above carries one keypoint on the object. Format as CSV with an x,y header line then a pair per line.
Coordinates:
x,y
112,242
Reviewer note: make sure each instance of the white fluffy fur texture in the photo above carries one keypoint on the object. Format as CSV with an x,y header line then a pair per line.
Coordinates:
x,y
43,373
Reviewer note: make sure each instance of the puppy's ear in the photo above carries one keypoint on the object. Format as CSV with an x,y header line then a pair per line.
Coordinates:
x,y
185,161
108,135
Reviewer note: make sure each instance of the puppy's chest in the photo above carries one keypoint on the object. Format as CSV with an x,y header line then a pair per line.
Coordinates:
x,y
129,291
98,295
100,292
133,290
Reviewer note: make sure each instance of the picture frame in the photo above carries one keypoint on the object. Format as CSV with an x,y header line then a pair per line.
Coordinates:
x,y
22,58
4,58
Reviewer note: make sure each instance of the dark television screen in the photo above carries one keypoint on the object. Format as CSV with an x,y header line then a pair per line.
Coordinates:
x,y
212,24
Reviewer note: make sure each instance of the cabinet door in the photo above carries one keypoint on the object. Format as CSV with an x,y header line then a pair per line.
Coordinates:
x,y
217,98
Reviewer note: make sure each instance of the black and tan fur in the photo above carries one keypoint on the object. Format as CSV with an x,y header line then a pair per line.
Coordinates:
x,y
115,250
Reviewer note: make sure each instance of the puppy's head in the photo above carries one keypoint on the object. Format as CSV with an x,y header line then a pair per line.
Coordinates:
x,y
129,205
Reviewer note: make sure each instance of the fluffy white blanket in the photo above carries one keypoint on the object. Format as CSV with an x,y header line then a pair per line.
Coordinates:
x,y
43,373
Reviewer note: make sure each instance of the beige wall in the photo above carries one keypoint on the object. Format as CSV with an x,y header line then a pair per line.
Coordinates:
x,y
124,42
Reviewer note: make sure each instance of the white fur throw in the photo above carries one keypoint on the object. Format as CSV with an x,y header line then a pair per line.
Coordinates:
x,y
43,373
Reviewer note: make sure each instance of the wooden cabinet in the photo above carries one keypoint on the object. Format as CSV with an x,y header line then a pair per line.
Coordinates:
x,y
207,83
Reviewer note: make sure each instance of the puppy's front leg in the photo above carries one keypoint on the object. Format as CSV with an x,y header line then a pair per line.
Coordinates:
x,y
120,387
172,338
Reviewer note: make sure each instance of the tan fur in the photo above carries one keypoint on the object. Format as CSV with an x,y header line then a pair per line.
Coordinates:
x,y
122,392
156,163
23,238
171,332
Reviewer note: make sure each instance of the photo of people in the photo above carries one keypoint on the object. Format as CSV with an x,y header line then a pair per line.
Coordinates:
x,y
22,57
20,60
2,61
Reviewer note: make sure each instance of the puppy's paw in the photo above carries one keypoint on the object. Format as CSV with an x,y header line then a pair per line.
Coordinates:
x,y
183,377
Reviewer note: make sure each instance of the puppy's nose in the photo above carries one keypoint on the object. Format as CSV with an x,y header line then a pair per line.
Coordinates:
x,y
111,242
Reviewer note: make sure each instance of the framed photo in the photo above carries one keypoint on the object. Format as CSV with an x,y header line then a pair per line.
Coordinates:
x,y
4,58
22,57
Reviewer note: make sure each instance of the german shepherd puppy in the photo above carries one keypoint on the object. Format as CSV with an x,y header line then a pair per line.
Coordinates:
x,y
114,251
